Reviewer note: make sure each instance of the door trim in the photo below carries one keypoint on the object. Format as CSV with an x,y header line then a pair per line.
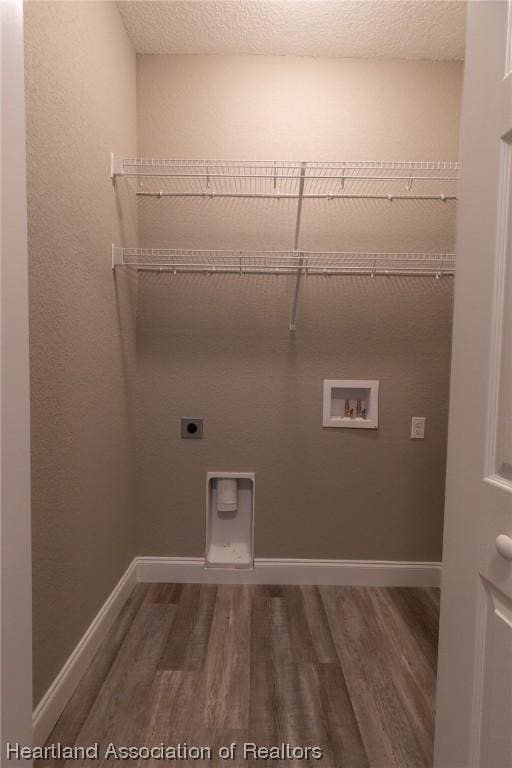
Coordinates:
x,y
15,538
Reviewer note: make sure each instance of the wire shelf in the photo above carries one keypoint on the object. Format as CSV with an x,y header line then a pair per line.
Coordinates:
x,y
393,179
388,180
284,262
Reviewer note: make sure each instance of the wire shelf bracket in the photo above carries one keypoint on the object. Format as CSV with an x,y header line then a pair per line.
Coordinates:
x,y
117,256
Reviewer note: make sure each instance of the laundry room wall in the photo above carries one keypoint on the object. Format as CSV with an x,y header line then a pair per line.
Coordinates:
x,y
81,105
218,346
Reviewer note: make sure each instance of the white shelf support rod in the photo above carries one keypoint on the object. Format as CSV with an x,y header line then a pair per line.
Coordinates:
x,y
293,324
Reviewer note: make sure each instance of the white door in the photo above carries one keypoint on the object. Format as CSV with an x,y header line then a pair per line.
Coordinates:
x,y
474,697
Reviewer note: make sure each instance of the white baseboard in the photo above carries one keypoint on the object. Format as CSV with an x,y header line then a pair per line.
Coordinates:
x,y
58,694
376,573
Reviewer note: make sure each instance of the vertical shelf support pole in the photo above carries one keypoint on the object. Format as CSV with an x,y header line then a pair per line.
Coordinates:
x,y
293,319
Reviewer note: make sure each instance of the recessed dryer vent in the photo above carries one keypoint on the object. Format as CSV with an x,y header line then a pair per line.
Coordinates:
x,y
229,519
351,403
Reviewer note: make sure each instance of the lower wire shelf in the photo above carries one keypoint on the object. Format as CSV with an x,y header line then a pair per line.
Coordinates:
x,y
284,262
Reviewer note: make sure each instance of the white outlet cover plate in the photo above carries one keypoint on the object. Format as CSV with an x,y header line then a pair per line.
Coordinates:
x,y
418,428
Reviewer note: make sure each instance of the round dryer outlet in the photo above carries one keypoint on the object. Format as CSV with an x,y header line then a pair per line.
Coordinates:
x,y
191,429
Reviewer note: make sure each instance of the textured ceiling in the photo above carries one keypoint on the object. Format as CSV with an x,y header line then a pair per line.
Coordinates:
x,y
410,29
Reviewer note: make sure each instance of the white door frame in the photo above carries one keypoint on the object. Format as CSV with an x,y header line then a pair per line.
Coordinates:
x,y
15,540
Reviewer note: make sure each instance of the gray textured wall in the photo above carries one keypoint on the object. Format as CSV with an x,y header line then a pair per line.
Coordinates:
x,y
81,103
219,346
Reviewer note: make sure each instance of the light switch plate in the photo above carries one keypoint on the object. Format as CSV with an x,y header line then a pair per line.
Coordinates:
x,y
418,427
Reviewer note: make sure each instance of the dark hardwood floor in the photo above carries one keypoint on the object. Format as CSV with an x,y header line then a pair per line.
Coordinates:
x,y
348,669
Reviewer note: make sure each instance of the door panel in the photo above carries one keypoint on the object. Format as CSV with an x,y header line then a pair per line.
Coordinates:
x,y
508,62
501,463
495,709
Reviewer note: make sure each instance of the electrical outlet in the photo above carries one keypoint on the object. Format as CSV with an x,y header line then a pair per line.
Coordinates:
x,y
418,427
191,429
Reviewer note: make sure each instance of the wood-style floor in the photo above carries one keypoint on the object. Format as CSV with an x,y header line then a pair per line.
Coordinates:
x,y
348,669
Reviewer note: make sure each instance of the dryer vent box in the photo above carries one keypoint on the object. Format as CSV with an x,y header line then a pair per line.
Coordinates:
x,y
351,403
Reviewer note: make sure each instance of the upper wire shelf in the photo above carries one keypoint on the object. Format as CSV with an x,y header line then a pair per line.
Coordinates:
x,y
393,179
284,262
